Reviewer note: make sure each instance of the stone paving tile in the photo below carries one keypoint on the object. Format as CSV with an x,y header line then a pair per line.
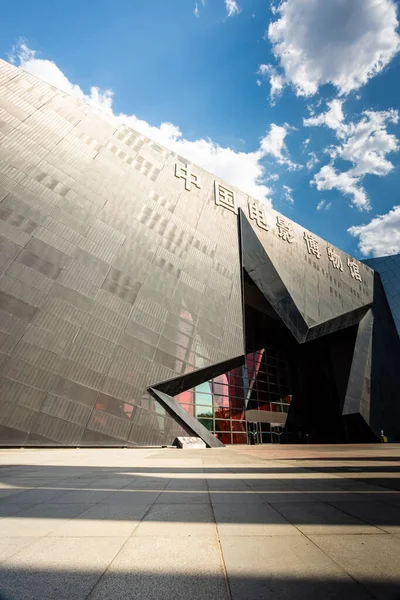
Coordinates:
x,y
171,497
194,485
111,483
374,561
148,484
251,519
265,555
104,520
224,485
13,545
232,497
177,521
57,568
289,496
267,485
345,496
82,496
35,495
131,497
384,516
5,492
393,499
39,520
9,509
154,569
318,517
283,568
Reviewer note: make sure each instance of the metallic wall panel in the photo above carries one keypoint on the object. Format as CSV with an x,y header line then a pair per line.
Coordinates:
x,y
388,268
114,275
120,267
301,299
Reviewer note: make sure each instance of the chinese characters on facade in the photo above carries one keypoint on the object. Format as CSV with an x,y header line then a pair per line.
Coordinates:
x,y
334,258
354,269
187,174
312,245
257,214
285,229
225,197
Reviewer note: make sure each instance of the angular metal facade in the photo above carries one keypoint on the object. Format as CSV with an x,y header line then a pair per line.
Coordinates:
x,y
388,268
122,276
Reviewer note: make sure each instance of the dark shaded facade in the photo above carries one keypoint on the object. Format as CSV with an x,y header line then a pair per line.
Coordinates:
x,y
388,268
142,298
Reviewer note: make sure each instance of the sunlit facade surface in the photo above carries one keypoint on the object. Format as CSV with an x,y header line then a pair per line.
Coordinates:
x,y
143,298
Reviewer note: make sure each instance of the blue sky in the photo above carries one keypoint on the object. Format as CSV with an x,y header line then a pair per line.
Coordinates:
x,y
295,102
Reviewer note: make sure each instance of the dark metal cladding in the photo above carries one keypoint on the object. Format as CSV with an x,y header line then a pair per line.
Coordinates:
x,y
388,268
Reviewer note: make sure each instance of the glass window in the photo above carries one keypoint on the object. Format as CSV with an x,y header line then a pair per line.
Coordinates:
x,y
222,425
204,388
189,408
208,423
220,385
185,397
239,437
224,437
204,411
221,401
204,399
221,412
220,404
237,415
238,425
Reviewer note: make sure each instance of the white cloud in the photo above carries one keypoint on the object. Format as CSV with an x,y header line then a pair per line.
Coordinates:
x,y
365,144
381,236
306,142
341,42
197,7
324,205
328,178
276,81
232,8
313,160
368,142
332,118
287,194
272,177
273,144
241,169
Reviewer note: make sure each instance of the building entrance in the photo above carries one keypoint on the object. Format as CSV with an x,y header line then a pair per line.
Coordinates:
x,y
264,433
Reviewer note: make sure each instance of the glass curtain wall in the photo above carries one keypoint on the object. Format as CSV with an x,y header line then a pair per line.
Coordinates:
x,y
261,384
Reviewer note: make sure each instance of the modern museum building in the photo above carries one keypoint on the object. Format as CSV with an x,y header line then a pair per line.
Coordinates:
x,y
142,298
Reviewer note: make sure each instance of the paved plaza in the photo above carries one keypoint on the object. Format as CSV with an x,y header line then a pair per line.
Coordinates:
x,y
243,523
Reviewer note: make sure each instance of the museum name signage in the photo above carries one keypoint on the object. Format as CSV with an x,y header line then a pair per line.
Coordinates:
x,y
226,198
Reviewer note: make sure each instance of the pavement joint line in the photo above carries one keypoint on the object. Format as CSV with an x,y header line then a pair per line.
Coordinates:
x,y
34,541
222,558
91,591
359,518
105,570
354,579
235,472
